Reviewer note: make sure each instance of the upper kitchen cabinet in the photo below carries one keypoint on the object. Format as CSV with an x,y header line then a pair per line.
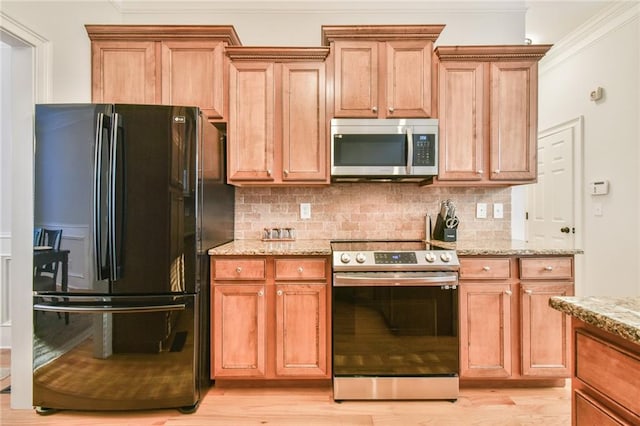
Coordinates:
x,y
381,71
277,130
488,111
171,65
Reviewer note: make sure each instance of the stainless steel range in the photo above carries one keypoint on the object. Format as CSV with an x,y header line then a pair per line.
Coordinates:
x,y
395,320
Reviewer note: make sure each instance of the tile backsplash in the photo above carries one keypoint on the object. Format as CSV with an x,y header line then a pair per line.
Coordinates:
x,y
367,210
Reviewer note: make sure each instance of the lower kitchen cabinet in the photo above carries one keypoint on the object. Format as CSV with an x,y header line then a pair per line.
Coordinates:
x,y
507,329
270,317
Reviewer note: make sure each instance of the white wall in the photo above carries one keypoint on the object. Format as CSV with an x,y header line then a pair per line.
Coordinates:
x,y
603,52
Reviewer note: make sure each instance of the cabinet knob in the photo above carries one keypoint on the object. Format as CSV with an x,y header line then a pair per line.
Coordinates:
x,y
239,269
268,172
486,268
508,292
279,292
480,172
391,109
374,109
529,292
286,172
496,171
300,269
548,268
261,293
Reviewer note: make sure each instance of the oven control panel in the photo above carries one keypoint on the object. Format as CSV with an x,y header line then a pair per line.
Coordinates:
x,y
409,260
386,258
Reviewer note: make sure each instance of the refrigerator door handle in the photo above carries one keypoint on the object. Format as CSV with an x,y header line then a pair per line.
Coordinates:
x,y
93,309
101,125
112,223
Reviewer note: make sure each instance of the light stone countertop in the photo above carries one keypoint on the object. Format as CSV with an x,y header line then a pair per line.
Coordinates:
x,y
506,248
616,315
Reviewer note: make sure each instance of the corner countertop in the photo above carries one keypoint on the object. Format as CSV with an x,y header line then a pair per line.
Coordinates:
x,y
273,248
616,315
323,248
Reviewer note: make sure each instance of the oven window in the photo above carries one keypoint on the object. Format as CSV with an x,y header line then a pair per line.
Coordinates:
x,y
395,331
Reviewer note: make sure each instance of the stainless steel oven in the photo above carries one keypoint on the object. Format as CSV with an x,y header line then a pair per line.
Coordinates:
x,y
395,321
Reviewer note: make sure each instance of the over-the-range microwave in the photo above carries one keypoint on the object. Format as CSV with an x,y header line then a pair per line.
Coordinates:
x,y
402,150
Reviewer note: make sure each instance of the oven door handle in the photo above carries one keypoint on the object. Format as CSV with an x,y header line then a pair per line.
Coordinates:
x,y
342,280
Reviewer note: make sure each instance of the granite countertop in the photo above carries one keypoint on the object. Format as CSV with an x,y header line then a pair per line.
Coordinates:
x,y
323,248
273,248
616,315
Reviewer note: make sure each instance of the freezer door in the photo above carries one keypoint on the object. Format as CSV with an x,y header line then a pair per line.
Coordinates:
x,y
153,205
91,364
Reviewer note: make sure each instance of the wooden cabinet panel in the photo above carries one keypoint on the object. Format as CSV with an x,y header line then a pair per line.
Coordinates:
x,y
486,330
485,268
304,144
461,120
408,78
514,111
239,269
239,331
193,74
554,268
588,412
124,72
301,269
546,333
251,121
301,330
355,79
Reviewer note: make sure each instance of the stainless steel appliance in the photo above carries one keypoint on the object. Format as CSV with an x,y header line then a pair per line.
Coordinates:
x,y
403,150
126,184
395,321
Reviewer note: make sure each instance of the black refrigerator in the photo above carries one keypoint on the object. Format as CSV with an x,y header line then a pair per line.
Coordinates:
x,y
128,199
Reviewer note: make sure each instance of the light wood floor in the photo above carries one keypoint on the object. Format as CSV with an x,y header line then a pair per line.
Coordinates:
x,y
314,406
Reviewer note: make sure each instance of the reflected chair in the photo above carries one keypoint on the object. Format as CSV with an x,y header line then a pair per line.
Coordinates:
x,y
45,276
37,236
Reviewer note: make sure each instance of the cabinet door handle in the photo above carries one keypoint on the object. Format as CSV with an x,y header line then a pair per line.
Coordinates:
x,y
528,292
374,109
391,109
486,268
286,172
480,171
508,292
548,268
239,269
300,269
279,292
496,171
268,172
261,293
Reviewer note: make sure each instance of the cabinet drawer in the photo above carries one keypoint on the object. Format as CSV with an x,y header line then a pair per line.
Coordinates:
x,y
590,412
239,269
487,268
542,268
609,370
301,269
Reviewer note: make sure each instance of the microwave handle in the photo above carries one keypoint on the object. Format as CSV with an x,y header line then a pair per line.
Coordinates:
x,y
409,150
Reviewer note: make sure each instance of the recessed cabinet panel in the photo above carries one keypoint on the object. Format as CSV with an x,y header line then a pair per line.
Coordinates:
x,y
356,79
408,78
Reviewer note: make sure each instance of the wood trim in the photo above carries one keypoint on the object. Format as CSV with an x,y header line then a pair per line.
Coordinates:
x,y
380,32
226,33
278,53
492,53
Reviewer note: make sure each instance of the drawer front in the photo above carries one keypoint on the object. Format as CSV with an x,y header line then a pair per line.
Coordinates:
x,y
487,268
542,268
239,269
609,370
301,269
590,412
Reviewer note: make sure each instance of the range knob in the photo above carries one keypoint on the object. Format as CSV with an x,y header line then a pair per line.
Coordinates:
x,y
430,257
446,257
345,258
360,258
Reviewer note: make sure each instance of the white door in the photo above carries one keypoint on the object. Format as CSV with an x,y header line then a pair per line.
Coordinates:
x,y
552,203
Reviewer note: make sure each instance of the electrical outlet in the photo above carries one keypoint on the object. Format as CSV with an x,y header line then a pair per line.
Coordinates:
x,y
305,211
498,210
481,210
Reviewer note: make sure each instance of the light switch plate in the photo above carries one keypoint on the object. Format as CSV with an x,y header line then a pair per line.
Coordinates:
x,y
498,210
481,210
305,211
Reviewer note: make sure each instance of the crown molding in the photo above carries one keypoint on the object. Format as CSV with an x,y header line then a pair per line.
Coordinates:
x,y
601,24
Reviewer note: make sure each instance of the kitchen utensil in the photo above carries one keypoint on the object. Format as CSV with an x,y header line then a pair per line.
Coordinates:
x,y
452,222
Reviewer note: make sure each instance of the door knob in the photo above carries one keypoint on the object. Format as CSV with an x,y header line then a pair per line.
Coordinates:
x,y
565,229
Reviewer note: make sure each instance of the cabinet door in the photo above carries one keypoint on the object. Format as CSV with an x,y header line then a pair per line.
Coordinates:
x,y
485,326
124,72
193,74
251,122
239,329
356,79
546,333
514,101
462,119
408,79
304,140
301,330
